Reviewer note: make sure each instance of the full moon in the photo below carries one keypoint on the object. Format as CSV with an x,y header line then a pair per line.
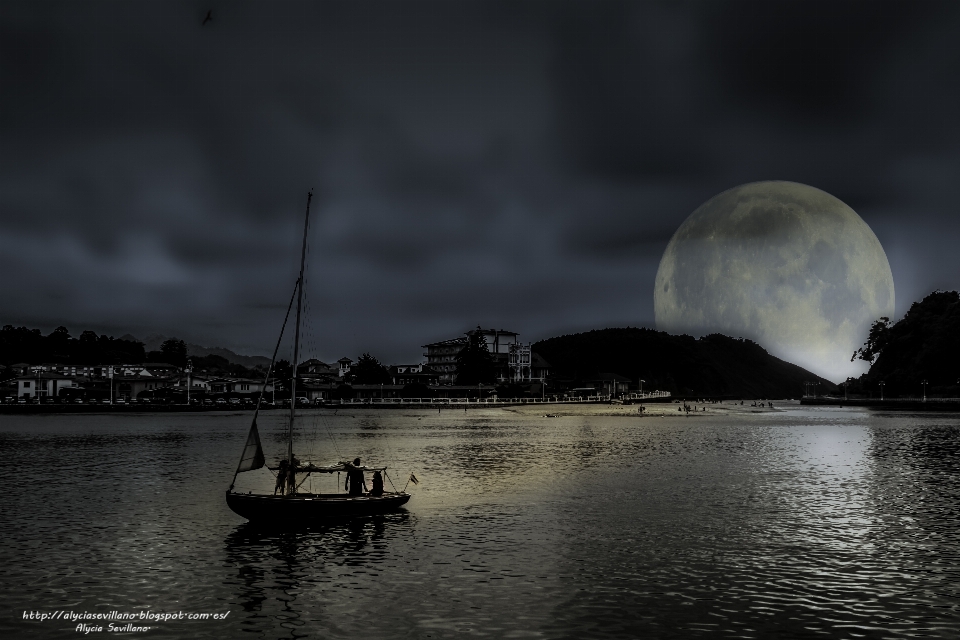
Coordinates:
x,y
784,264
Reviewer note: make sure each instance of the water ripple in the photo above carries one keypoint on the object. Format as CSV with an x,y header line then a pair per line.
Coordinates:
x,y
795,524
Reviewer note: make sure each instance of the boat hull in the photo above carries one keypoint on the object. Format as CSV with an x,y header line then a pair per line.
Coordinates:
x,y
311,507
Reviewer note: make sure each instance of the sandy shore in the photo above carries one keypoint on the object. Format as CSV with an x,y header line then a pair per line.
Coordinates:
x,y
652,410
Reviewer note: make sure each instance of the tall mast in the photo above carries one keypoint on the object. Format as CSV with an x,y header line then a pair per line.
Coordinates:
x,y
296,338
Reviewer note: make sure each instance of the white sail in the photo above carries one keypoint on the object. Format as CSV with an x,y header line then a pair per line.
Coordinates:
x,y
252,457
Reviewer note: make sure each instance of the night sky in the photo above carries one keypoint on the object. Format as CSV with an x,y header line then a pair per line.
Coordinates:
x,y
518,165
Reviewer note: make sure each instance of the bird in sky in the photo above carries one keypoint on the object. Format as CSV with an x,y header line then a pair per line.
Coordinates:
x,y
208,18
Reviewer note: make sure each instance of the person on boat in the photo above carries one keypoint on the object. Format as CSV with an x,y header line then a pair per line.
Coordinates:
x,y
281,477
292,477
377,489
355,484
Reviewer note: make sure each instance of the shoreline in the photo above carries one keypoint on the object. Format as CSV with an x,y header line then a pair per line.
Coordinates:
x,y
895,404
655,407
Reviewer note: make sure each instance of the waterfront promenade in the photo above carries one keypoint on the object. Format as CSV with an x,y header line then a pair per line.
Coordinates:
x,y
896,404
381,403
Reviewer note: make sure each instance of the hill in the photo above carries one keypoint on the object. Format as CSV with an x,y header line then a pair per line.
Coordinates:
x,y
23,345
683,365
923,345
153,342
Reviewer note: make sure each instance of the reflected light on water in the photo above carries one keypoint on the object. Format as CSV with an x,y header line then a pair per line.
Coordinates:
x,y
795,523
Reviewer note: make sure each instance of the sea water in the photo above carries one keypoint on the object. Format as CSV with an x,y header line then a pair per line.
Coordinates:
x,y
596,523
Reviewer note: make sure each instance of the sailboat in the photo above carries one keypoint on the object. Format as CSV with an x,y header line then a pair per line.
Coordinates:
x,y
293,505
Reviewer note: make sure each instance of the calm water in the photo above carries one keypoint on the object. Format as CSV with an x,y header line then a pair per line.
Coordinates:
x,y
802,523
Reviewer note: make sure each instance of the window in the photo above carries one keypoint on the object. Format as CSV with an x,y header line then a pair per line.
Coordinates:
x,y
26,385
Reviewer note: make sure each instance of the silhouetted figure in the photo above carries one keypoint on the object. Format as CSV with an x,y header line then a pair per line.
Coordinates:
x,y
292,477
355,484
377,489
208,18
281,477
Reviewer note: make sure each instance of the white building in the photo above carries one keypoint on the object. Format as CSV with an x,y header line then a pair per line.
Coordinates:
x,y
442,356
43,385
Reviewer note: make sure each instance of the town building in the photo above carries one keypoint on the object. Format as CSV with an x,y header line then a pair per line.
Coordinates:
x,y
243,386
513,361
611,384
442,358
314,369
403,374
43,385
498,341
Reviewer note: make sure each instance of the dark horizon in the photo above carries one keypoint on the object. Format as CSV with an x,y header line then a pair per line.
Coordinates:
x,y
518,165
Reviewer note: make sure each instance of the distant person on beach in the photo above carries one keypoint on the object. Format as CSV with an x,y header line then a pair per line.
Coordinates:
x,y
355,484
377,489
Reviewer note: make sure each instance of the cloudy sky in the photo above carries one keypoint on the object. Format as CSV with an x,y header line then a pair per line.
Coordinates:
x,y
513,164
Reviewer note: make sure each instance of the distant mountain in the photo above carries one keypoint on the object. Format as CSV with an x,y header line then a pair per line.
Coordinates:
x,y
153,342
683,365
923,345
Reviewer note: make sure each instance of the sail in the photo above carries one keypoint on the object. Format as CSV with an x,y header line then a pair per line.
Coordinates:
x,y
252,457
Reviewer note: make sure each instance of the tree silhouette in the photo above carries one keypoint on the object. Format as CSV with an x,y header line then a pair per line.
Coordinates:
x,y
282,373
876,341
368,370
475,364
174,352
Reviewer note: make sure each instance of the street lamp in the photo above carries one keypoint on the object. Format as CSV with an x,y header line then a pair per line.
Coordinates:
x,y
881,390
924,383
641,387
189,370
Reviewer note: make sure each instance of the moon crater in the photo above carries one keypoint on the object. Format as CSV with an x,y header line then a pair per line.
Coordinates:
x,y
784,264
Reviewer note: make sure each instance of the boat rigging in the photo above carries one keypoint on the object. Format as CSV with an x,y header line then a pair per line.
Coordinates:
x,y
291,504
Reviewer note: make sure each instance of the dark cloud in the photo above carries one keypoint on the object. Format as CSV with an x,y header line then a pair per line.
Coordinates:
x,y
518,164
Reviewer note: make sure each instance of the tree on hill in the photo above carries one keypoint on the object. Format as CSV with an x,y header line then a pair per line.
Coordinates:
x,y
20,344
876,341
368,370
475,364
174,352
59,345
923,345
